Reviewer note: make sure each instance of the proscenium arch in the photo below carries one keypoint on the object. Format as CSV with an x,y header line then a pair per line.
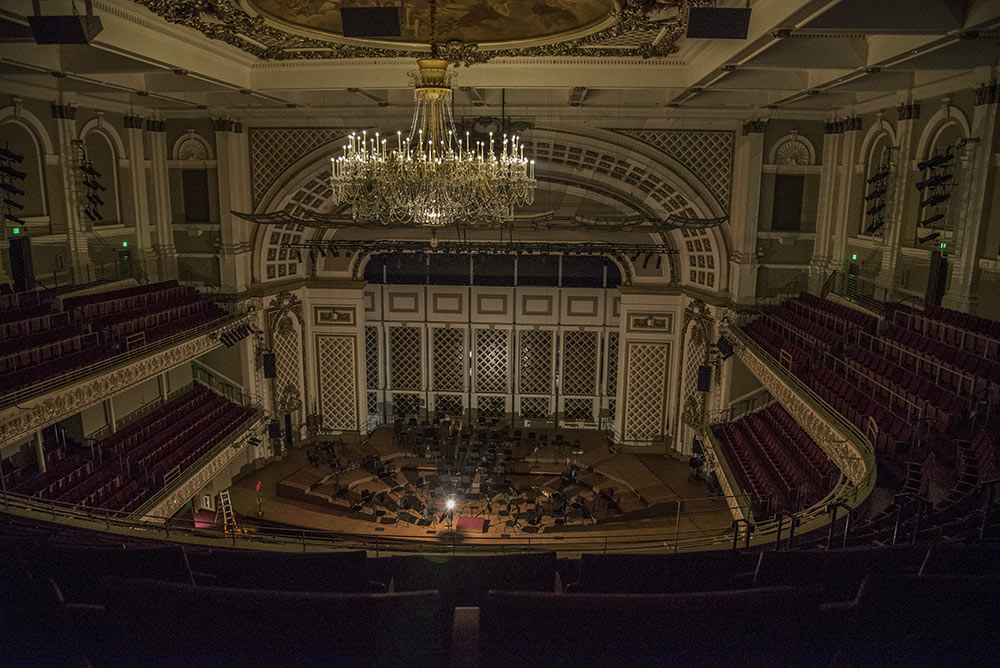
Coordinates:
x,y
687,195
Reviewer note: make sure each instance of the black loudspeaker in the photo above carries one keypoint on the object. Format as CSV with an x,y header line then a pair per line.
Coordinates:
x,y
274,429
725,347
937,278
270,366
704,378
718,23
371,21
21,267
65,29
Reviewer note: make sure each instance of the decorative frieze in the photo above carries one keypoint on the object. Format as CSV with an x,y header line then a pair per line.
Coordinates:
x,y
754,126
839,445
64,111
908,112
20,422
988,94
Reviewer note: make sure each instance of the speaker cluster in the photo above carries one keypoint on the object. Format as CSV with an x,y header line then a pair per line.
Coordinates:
x,y
231,337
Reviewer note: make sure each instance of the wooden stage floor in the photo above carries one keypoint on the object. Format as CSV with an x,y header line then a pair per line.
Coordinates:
x,y
652,487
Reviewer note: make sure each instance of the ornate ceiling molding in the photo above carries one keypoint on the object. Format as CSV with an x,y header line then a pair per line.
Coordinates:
x,y
633,33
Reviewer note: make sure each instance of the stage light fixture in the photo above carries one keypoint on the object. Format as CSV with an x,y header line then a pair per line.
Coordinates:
x,y
13,173
874,194
14,219
930,237
875,208
88,168
7,154
936,161
934,181
93,184
12,189
12,203
875,178
875,227
934,200
933,219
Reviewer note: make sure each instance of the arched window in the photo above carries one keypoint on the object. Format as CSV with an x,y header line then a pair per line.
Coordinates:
x,y
877,175
936,180
101,154
19,140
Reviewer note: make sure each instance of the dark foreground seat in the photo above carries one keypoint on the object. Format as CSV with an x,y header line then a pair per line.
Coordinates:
x,y
467,580
342,572
760,627
664,573
937,620
840,572
149,623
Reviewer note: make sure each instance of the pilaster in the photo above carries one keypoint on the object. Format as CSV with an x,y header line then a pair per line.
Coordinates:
x,y
159,207
745,210
845,190
136,152
233,167
819,264
64,116
908,114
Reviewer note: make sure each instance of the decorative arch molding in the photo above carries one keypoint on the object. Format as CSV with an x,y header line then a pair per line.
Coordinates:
x,y
944,117
23,117
883,127
636,175
792,149
98,124
191,146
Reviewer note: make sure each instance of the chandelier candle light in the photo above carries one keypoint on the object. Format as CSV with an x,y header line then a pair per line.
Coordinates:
x,y
431,176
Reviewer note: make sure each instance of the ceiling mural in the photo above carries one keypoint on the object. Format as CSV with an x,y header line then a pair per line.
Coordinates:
x,y
469,21
471,31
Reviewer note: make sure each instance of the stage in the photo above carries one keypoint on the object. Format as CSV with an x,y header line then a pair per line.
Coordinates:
x,y
554,485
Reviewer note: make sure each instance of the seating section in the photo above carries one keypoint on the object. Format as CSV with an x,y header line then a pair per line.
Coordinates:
x,y
39,342
775,461
913,606
131,464
771,339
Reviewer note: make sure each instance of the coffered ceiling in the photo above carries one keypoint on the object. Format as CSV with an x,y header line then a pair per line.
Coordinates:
x,y
802,58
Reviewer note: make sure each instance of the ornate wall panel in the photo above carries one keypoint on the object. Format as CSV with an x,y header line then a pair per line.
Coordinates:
x,y
337,379
579,374
535,407
645,390
405,404
449,360
577,409
286,339
535,361
491,360
612,378
372,401
405,358
708,154
371,357
448,405
273,150
491,407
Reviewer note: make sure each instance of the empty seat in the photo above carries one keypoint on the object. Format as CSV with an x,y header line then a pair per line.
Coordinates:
x,y
663,573
765,627
839,572
467,580
343,572
939,620
150,623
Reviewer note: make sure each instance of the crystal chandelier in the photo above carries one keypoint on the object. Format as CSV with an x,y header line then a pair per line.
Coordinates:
x,y
431,176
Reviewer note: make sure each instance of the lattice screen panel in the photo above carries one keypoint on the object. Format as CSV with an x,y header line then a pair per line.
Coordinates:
x,y
695,347
491,407
535,361
372,398
579,374
449,360
534,407
612,406
371,356
338,402
491,360
273,150
404,355
405,405
612,364
288,359
644,395
578,410
448,405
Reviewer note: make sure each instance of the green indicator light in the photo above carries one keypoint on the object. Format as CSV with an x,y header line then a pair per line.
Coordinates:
x,y
17,230
854,256
124,244
944,245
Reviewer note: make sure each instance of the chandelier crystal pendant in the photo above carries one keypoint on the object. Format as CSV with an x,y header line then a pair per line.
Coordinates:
x,y
431,175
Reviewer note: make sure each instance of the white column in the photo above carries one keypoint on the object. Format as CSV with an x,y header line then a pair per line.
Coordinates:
x,y
76,235
819,264
233,167
39,451
159,204
846,192
909,113
136,152
745,210
981,172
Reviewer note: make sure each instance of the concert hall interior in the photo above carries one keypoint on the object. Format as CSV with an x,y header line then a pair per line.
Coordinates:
x,y
455,333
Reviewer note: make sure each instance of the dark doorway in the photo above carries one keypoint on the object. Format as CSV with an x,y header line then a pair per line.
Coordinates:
x,y
288,430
